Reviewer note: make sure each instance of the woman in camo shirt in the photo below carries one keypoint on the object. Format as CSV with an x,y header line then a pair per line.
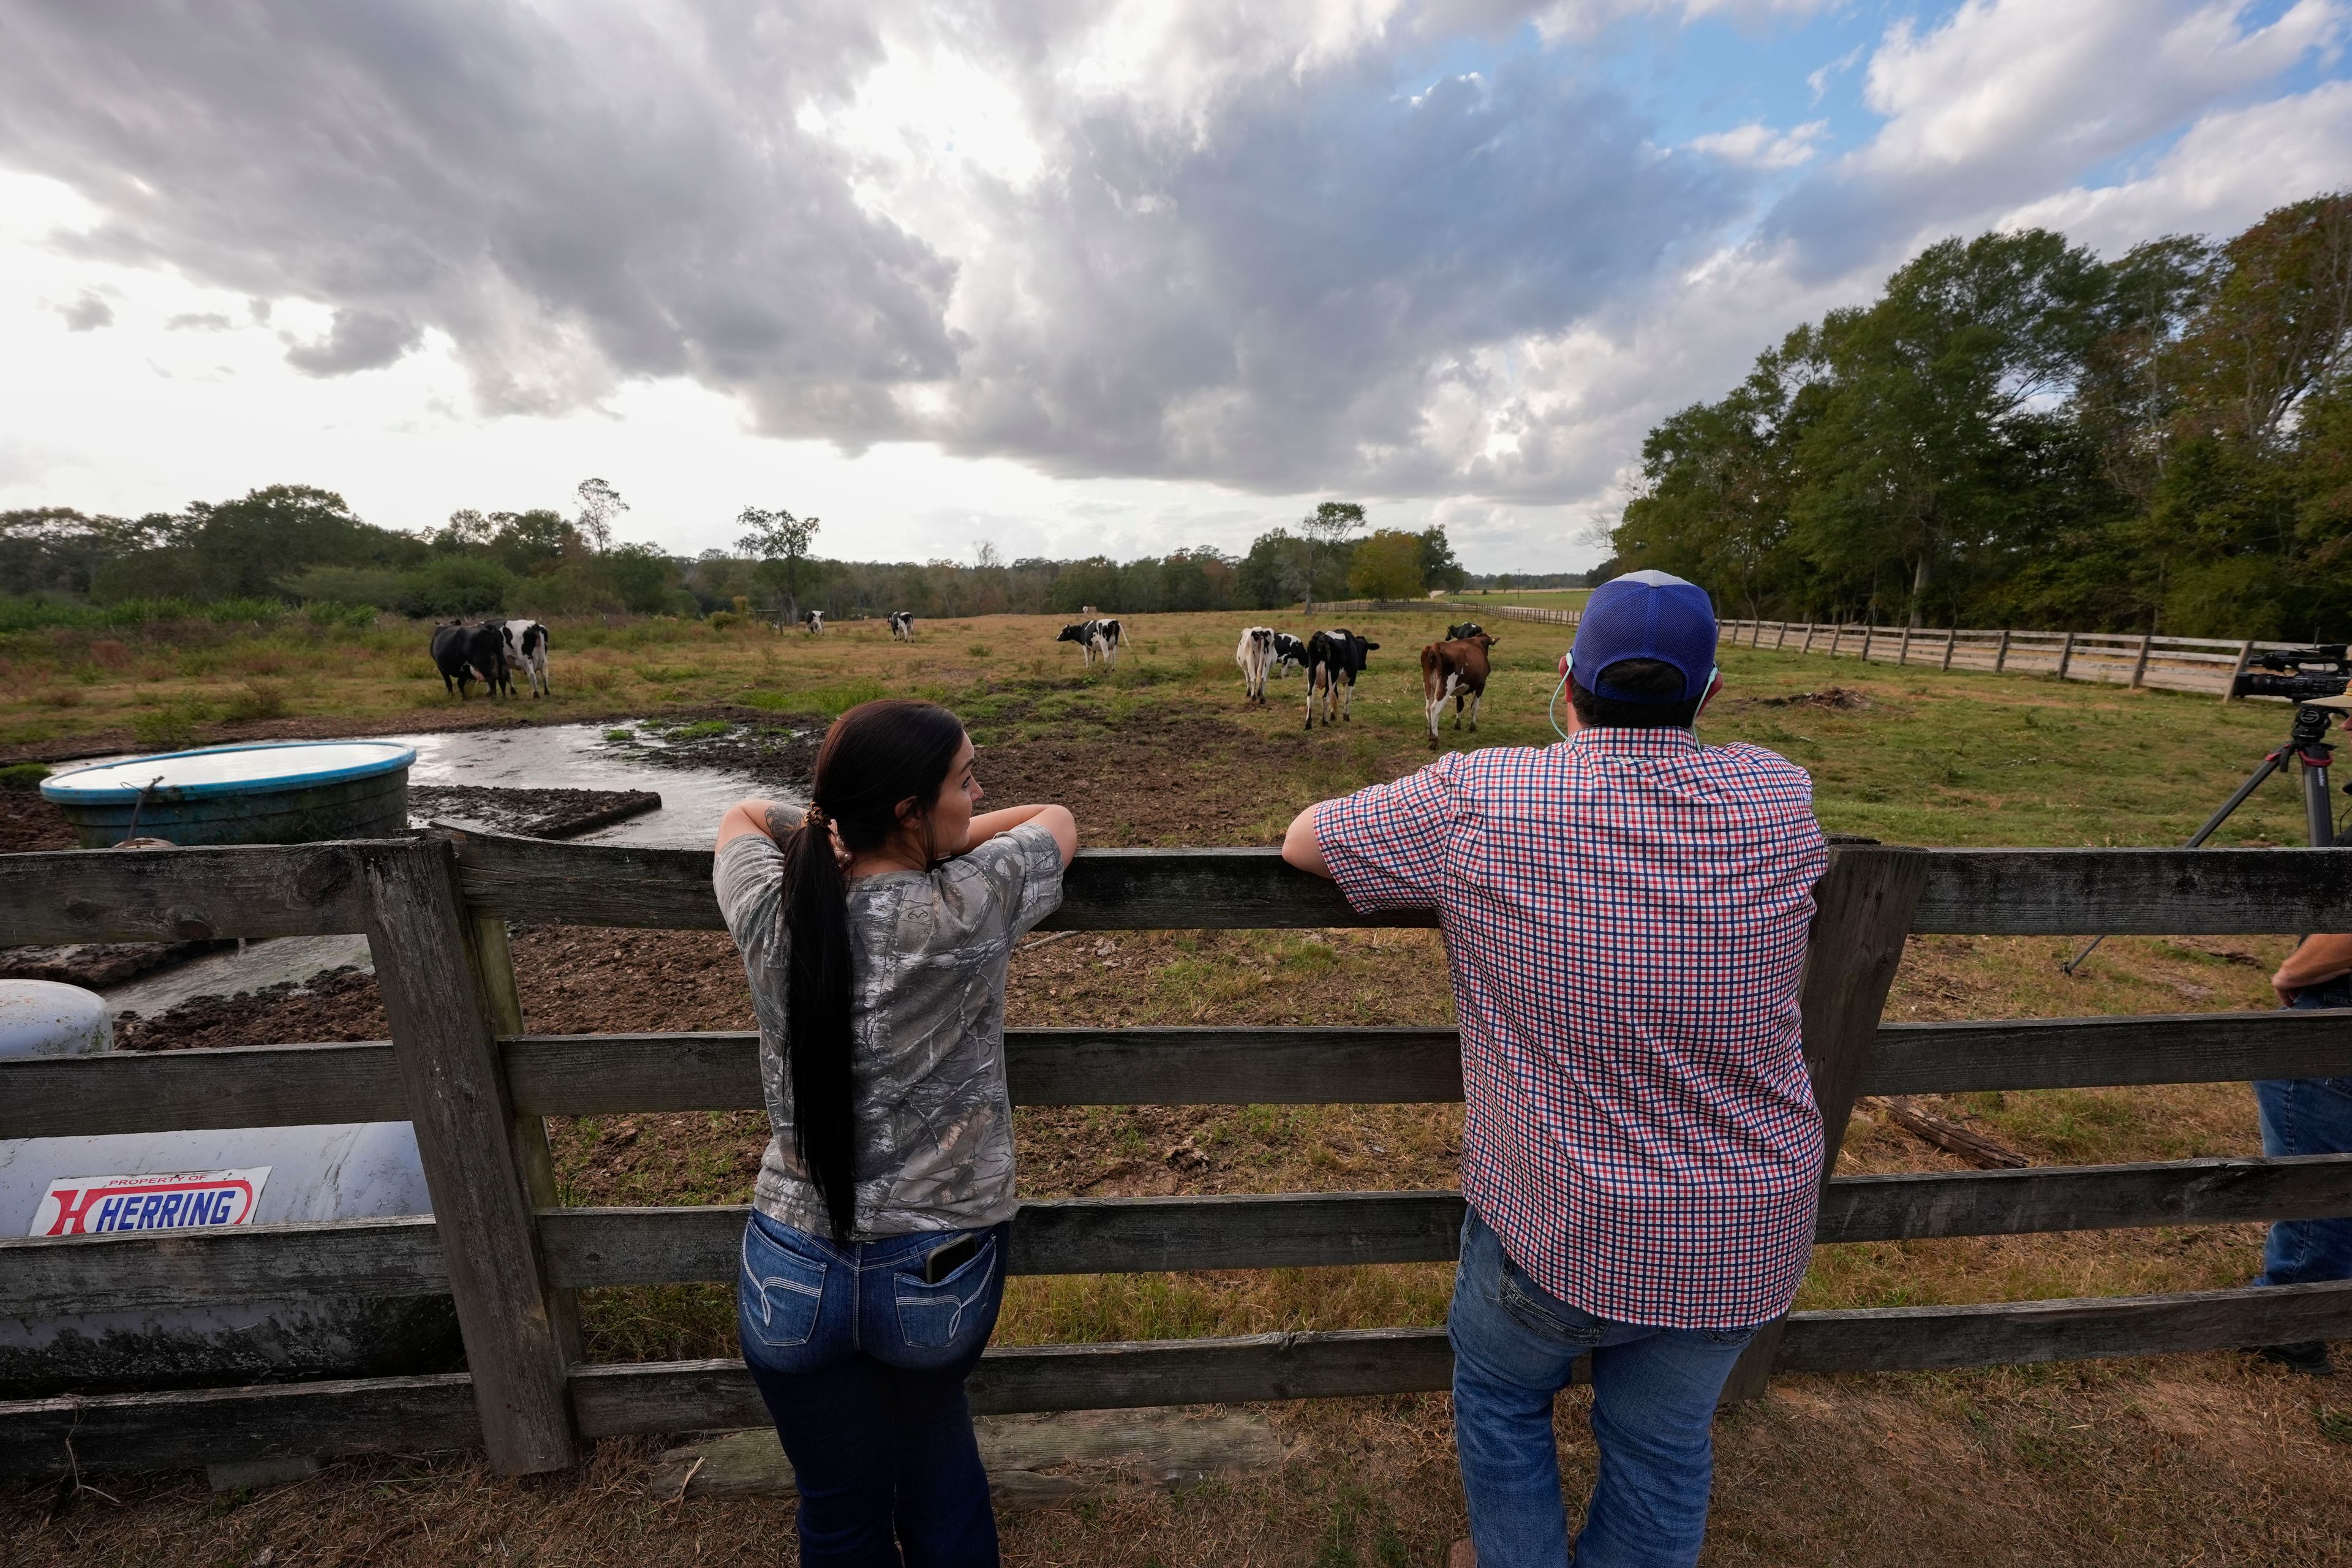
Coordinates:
x,y
875,928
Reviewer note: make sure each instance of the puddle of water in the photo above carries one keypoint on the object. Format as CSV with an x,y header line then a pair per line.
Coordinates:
x,y
576,756
556,757
295,958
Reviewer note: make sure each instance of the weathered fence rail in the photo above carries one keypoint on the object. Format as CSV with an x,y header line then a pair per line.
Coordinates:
x,y
2209,665
461,1068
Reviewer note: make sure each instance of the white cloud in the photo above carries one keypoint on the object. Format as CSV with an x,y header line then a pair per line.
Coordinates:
x,y
2032,88
1818,81
1755,145
2223,173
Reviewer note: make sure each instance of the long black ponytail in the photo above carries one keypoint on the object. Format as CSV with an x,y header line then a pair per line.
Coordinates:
x,y
876,756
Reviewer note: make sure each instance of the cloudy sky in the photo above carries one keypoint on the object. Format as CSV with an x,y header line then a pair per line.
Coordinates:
x,y
1064,276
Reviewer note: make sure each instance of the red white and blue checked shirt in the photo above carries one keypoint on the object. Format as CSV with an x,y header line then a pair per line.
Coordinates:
x,y
1625,920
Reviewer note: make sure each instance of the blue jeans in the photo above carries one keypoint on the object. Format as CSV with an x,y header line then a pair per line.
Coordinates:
x,y
2308,1116
1654,1398
862,1366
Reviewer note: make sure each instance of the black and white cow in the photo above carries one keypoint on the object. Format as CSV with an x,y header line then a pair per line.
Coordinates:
x,y
1289,655
1255,653
464,653
527,651
902,624
1096,636
1334,658
814,621
1467,629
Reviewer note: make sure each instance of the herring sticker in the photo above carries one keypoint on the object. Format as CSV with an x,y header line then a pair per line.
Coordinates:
x,y
176,1200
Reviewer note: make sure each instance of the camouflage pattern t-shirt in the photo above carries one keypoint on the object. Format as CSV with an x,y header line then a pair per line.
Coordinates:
x,y
928,952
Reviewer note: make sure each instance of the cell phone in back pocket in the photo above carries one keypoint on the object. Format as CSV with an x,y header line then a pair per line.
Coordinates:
x,y
950,1259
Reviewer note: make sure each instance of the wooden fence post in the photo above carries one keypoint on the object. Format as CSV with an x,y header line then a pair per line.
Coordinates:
x,y
1869,634
2246,655
2139,667
1903,654
2001,655
494,968
1780,638
1951,636
1862,916
443,1045
2066,656
1809,630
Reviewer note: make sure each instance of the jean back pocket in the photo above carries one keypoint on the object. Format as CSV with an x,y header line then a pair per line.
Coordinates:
x,y
936,1317
1536,1308
779,1292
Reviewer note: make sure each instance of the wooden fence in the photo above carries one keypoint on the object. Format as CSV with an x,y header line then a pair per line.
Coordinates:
x,y
460,1065
2210,664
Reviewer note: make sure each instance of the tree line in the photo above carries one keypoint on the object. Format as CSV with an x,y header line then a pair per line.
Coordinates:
x,y
293,544
2017,433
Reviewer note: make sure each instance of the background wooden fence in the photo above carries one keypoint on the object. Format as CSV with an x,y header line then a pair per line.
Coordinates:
x,y
2209,665
460,1065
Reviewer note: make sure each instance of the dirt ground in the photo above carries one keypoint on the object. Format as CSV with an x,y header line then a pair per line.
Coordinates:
x,y
2208,1459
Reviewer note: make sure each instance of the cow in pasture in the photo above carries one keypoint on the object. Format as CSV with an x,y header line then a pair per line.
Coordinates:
x,y
1455,668
464,653
1095,637
814,621
1255,653
1289,655
1467,629
526,648
1334,658
902,624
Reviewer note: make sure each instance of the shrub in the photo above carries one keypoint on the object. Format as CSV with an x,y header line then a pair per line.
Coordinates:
x,y
455,585
169,728
264,612
23,775
108,654
259,699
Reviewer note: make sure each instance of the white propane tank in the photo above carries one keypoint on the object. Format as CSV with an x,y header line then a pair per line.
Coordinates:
x,y
42,1019
203,1178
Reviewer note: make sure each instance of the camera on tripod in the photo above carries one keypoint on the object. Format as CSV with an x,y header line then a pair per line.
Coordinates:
x,y
2298,674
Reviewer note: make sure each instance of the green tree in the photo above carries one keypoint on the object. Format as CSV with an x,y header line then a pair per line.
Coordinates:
x,y
1387,566
1325,530
1439,569
601,506
778,536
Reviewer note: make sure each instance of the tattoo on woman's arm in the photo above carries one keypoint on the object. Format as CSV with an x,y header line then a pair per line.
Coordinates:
x,y
783,822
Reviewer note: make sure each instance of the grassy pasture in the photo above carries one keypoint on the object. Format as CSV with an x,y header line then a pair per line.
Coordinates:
x,y
1163,749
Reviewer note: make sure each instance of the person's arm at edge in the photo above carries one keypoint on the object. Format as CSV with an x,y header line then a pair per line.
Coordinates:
x,y
1301,848
768,818
1053,819
2321,958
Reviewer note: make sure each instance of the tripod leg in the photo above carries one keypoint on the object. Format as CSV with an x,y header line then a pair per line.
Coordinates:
x,y
2315,806
2316,809
2271,765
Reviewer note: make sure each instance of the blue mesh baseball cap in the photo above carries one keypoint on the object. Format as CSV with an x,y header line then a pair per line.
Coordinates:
x,y
1646,615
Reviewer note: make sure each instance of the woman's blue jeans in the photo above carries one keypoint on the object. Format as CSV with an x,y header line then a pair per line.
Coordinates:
x,y
2308,1116
1654,1398
862,1365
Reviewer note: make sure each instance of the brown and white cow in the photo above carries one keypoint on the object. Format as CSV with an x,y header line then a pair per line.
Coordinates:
x,y
1456,669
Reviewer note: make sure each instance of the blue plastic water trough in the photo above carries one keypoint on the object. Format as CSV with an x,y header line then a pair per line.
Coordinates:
x,y
277,792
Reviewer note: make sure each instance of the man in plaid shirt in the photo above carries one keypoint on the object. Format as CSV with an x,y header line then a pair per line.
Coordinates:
x,y
1625,919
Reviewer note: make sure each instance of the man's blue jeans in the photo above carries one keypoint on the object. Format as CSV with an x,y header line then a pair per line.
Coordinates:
x,y
1653,1397
861,1364
2308,1116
